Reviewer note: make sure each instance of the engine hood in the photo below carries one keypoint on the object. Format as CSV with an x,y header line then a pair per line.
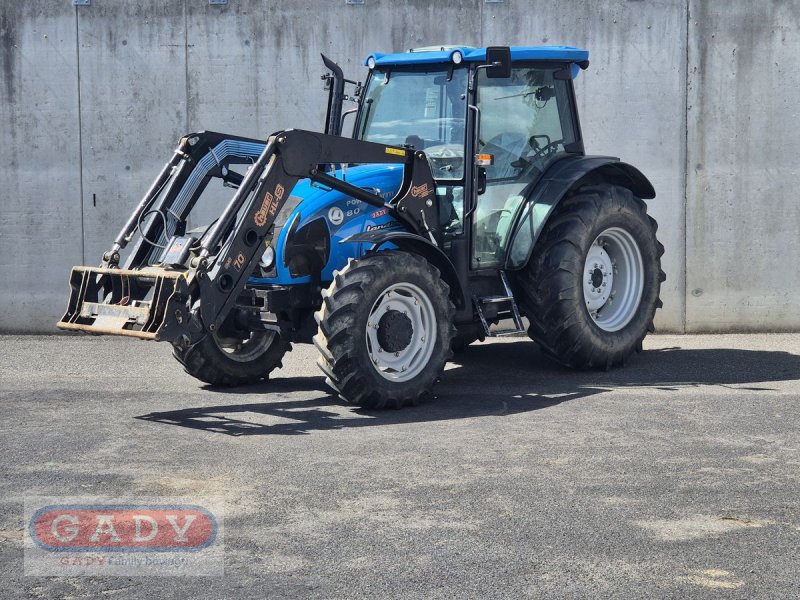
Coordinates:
x,y
342,215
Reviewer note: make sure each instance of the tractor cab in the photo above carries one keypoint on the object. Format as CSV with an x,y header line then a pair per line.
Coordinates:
x,y
490,122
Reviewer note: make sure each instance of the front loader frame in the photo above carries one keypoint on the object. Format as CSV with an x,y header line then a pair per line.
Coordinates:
x,y
189,287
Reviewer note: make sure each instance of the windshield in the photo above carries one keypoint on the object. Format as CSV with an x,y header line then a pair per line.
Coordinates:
x,y
423,109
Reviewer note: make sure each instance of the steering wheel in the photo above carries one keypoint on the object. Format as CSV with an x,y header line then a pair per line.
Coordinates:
x,y
539,151
508,141
446,157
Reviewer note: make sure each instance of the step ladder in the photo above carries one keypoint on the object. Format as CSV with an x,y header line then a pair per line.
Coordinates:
x,y
508,299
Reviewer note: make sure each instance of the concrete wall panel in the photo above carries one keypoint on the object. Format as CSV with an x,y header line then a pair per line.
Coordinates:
x,y
742,241
254,67
133,106
631,98
40,213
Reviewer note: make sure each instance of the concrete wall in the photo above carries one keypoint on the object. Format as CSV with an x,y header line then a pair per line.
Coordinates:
x,y
743,214
92,99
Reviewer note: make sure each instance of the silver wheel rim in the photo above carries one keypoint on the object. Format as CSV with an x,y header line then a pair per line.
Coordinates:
x,y
245,349
613,279
406,363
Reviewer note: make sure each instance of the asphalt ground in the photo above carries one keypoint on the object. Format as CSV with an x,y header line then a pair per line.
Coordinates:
x,y
674,477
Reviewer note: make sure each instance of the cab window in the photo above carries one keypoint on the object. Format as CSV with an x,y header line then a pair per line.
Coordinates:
x,y
424,109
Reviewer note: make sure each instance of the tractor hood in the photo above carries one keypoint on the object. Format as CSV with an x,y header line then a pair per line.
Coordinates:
x,y
317,211
386,178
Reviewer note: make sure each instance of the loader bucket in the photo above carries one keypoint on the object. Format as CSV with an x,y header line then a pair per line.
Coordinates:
x,y
136,303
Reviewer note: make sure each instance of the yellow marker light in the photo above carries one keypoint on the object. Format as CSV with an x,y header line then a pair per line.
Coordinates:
x,y
484,160
396,151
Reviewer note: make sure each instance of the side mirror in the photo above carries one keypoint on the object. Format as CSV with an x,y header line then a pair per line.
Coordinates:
x,y
499,59
481,181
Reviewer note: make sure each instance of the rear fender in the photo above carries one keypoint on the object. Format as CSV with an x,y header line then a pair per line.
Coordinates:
x,y
556,183
411,242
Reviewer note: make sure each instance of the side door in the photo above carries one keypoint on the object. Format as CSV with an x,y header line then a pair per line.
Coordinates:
x,y
527,121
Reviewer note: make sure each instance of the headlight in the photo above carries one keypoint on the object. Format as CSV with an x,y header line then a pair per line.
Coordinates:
x,y
457,57
371,62
268,259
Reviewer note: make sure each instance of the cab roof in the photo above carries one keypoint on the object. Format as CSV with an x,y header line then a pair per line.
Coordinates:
x,y
444,54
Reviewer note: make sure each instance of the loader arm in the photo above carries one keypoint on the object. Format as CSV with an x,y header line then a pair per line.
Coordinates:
x,y
191,292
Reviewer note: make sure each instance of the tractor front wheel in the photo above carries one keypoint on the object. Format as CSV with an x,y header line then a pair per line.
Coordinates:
x,y
385,330
235,358
592,286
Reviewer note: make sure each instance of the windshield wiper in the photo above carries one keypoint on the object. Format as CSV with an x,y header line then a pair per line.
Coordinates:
x,y
516,95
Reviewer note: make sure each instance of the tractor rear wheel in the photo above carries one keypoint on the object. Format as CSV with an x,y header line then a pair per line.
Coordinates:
x,y
591,287
385,330
234,358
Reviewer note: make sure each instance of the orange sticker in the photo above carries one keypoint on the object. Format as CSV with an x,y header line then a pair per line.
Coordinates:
x,y
260,217
421,191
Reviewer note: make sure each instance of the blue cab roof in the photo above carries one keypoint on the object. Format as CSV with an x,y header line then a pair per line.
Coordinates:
x,y
443,54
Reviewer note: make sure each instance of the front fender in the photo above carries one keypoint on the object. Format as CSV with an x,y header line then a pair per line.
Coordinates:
x,y
562,177
411,242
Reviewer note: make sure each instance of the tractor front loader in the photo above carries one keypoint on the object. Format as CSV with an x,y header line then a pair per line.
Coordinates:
x,y
198,278
463,198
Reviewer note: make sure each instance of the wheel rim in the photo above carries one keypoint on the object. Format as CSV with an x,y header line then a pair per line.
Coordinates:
x,y
613,279
245,349
401,332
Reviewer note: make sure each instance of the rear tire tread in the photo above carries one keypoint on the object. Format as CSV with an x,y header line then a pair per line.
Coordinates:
x,y
548,281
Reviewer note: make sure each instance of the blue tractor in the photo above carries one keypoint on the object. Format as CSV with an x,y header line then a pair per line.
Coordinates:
x,y
462,201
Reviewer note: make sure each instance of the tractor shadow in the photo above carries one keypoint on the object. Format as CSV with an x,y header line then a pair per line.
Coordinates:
x,y
488,380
